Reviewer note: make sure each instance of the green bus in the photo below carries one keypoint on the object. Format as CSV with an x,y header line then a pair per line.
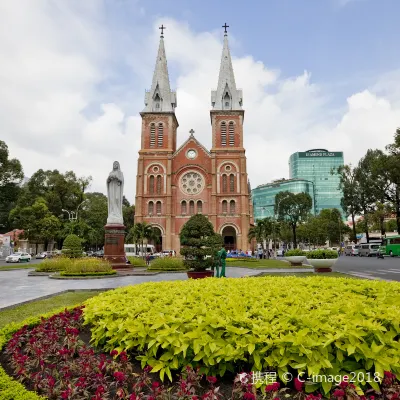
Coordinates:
x,y
391,246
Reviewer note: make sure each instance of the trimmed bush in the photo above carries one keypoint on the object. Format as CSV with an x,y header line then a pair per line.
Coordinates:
x,y
83,274
167,264
247,259
199,241
295,252
137,261
279,323
53,264
72,247
322,254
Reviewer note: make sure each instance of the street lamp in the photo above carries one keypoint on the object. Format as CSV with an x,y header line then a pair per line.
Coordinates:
x,y
73,215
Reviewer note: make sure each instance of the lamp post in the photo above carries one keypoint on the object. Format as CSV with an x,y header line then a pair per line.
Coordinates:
x,y
73,215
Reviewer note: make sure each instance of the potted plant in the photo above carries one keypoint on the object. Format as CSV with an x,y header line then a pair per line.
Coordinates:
x,y
199,246
296,257
322,260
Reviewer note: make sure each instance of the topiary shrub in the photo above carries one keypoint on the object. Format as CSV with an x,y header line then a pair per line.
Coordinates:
x,y
200,243
322,254
72,247
295,252
167,264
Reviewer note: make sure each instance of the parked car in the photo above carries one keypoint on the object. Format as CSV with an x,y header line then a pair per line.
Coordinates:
x,y
368,249
237,254
99,253
279,253
89,253
18,257
42,255
351,250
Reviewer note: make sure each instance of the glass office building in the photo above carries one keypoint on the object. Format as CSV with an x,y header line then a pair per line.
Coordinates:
x,y
315,166
264,195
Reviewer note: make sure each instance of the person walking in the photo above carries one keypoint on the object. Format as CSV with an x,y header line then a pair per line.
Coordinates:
x,y
222,256
147,259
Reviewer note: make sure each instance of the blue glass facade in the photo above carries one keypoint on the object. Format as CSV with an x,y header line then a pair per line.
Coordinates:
x,y
264,195
315,166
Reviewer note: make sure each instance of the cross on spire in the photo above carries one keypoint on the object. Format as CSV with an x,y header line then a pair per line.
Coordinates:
x,y
162,27
225,26
191,132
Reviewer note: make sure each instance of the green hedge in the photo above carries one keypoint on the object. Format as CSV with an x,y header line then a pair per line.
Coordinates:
x,y
295,252
241,259
322,254
74,266
167,264
53,264
137,261
105,273
330,326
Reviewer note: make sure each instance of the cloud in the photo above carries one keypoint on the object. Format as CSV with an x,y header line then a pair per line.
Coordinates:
x,y
73,86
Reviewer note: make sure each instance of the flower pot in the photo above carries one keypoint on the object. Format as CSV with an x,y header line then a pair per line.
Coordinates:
x,y
200,274
323,265
296,261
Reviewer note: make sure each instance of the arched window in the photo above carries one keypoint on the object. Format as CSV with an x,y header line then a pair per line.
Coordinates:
x,y
232,207
223,133
191,207
199,207
224,183
151,184
232,183
152,135
183,207
231,133
159,184
158,207
160,137
224,206
151,207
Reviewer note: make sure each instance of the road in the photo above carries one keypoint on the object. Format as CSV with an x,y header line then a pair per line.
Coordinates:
x,y
370,267
32,262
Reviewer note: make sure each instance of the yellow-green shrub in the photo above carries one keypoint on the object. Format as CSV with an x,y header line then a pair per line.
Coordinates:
x,y
137,261
247,259
54,264
167,264
88,265
315,325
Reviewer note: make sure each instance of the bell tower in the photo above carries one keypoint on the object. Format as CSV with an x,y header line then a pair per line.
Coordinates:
x,y
158,143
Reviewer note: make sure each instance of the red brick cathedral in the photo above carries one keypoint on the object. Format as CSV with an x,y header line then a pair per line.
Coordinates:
x,y
175,183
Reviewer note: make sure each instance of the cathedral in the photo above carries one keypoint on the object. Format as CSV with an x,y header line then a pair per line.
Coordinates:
x,y
173,183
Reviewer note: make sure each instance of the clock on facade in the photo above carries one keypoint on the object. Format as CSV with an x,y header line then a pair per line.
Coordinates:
x,y
191,154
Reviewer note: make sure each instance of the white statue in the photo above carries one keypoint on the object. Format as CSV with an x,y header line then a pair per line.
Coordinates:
x,y
115,191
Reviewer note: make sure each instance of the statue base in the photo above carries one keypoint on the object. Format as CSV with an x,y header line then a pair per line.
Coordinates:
x,y
114,251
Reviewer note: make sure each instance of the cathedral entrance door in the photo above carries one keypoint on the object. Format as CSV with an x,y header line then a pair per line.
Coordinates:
x,y
229,237
158,241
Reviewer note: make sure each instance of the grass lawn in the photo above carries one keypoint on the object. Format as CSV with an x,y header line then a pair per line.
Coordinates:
x,y
261,264
305,274
39,307
10,267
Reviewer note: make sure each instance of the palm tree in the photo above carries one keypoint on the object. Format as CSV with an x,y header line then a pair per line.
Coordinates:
x,y
257,232
143,231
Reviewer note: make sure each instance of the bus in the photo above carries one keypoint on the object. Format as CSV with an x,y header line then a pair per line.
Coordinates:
x,y
391,246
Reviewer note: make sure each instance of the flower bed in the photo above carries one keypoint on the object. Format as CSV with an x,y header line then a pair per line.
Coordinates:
x,y
52,359
287,324
137,261
75,266
83,274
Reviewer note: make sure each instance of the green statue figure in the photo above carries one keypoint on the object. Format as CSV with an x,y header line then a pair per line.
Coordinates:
x,y
222,256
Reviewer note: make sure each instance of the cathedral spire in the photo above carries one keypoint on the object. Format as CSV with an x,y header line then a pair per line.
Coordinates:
x,y
226,97
160,98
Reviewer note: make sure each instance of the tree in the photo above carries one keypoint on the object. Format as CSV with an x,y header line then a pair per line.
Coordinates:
x,y
11,175
333,227
199,241
293,208
128,212
350,188
391,171
261,231
144,232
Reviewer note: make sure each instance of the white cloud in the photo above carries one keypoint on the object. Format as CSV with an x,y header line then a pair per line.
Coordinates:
x,y
58,60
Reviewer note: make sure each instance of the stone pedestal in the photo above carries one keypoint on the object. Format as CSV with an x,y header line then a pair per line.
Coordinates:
x,y
114,240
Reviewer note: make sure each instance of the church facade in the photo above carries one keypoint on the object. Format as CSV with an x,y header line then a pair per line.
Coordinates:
x,y
173,183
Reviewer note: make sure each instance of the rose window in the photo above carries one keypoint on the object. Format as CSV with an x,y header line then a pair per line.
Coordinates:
x,y
192,183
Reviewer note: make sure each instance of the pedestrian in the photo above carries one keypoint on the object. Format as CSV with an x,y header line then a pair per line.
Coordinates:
x,y
147,259
222,256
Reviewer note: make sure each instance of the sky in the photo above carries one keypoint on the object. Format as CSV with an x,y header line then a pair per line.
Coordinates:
x,y
314,74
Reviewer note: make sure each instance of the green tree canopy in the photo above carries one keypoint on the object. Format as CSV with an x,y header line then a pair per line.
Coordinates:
x,y
293,208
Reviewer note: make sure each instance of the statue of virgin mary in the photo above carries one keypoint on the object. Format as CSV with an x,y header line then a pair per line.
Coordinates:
x,y
115,191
